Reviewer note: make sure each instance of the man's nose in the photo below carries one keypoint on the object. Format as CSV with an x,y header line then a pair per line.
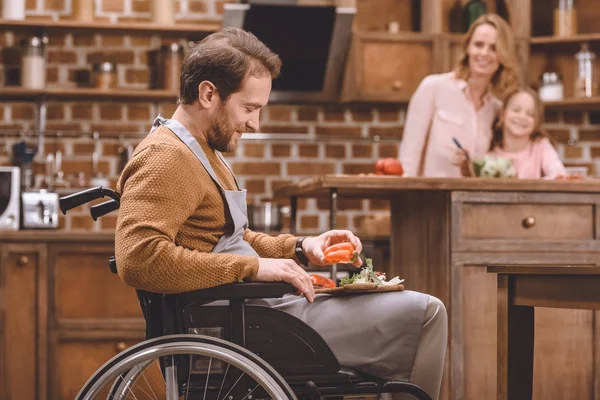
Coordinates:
x,y
253,124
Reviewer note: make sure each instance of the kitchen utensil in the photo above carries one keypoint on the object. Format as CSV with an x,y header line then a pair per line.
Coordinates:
x,y
466,153
266,217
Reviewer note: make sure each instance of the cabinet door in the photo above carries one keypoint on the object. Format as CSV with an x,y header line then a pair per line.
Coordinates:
x,y
83,287
20,310
78,359
385,67
563,351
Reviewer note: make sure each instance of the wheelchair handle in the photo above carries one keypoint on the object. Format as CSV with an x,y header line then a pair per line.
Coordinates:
x,y
102,209
77,199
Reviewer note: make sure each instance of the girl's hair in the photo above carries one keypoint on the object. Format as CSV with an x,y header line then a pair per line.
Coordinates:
x,y
538,131
507,77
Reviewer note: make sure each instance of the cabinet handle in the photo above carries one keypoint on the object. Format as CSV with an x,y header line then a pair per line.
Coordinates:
x,y
397,85
528,222
120,346
23,261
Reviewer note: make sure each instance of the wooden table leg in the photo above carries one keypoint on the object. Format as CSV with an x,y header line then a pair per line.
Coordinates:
x,y
515,344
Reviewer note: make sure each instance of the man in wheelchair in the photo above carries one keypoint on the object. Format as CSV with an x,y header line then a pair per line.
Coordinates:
x,y
182,223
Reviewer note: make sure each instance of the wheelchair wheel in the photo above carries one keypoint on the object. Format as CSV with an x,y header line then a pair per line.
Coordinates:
x,y
186,367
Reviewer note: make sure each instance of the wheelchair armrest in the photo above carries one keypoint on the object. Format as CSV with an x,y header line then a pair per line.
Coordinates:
x,y
241,291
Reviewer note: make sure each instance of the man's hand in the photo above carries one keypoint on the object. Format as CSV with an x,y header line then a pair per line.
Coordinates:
x,y
313,247
277,270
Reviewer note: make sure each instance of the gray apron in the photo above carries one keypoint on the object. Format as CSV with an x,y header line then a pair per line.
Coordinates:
x,y
377,334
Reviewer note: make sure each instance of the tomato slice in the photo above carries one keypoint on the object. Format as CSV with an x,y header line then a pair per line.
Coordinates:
x,y
318,280
339,246
340,256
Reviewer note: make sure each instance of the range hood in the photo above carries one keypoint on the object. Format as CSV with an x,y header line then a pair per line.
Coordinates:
x,y
312,41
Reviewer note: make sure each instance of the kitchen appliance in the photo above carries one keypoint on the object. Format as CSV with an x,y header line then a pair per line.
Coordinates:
x,y
313,54
10,189
40,210
266,217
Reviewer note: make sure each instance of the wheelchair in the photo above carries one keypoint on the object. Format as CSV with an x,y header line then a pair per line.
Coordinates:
x,y
210,344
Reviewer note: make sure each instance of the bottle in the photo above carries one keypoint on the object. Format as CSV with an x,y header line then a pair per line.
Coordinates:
x,y
33,67
473,10
565,18
456,18
585,79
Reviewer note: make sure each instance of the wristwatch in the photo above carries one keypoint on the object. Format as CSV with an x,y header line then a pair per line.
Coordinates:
x,y
300,253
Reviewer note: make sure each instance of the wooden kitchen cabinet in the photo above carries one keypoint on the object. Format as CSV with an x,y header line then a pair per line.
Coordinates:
x,y
445,232
387,68
94,315
63,314
22,310
78,359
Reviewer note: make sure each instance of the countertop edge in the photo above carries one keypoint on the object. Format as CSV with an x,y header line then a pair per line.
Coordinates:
x,y
43,235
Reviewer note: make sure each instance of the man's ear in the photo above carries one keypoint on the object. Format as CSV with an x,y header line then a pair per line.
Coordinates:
x,y
207,94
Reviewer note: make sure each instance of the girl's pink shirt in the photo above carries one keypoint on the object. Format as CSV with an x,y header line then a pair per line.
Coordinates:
x,y
538,160
439,110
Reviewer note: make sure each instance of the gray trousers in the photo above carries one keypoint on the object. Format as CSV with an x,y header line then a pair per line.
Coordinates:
x,y
393,335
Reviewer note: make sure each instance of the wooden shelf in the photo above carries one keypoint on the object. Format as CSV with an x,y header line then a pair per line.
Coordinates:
x,y
18,93
570,104
199,28
549,40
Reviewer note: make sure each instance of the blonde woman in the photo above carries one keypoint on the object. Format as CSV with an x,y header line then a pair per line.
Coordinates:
x,y
461,104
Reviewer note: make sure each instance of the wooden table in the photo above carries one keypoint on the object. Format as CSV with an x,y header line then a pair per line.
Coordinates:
x,y
520,289
444,235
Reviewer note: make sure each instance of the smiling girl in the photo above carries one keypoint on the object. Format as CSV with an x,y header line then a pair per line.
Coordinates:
x,y
518,136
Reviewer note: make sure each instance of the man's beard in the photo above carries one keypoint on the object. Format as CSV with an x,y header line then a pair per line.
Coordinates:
x,y
220,133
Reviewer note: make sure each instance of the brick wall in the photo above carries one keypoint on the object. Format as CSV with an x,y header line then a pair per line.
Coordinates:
x,y
311,140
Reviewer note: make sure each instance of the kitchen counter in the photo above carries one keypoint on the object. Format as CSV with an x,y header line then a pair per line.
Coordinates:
x,y
53,235
377,186
444,234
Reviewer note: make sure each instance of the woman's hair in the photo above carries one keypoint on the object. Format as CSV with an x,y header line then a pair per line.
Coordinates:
x,y
225,58
538,131
507,77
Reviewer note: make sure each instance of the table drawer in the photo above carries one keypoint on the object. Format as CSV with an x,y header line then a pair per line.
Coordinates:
x,y
526,221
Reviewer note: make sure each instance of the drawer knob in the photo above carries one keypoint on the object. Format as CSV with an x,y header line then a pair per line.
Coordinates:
x,y
397,85
120,346
23,261
528,222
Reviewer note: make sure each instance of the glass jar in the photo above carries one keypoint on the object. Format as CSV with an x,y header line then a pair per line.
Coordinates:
x,y
13,9
33,63
551,87
565,18
585,78
105,75
170,59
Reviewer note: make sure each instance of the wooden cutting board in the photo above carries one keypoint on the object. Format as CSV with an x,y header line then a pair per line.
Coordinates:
x,y
359,288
